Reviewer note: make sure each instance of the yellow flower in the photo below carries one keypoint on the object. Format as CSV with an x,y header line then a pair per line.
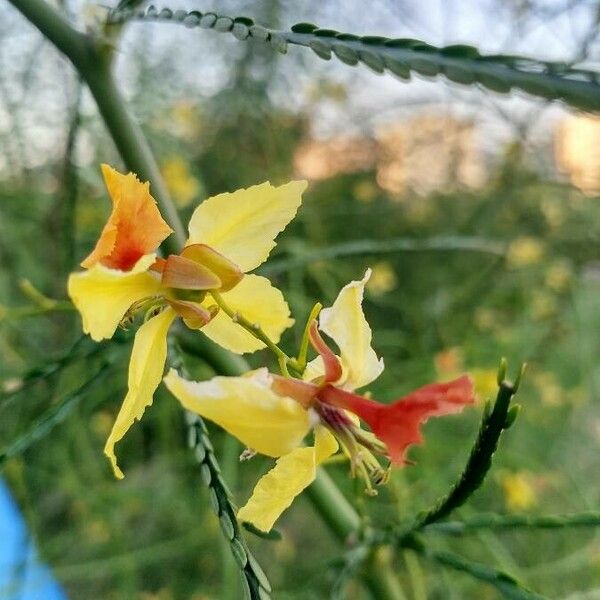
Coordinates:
x,y
549,388
272,415
229,235
519,492
524,251
559,276
182,185
543,305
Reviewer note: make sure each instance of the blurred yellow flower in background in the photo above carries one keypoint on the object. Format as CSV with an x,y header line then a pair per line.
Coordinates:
x,y
365,191
550,391
182,185
485,319
524,251
486,382
449,363
553,213
383,279
543,305
559,276
519,492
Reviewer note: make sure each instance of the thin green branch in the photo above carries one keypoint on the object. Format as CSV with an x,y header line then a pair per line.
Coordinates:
x,y
255,330
53,416
82,348
458,63
302,256
506,584
515,522
132,144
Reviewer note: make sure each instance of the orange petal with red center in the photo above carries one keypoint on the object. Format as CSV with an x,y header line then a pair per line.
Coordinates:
x,y
228,272
185,274
194,315
333,368
135,226
398,424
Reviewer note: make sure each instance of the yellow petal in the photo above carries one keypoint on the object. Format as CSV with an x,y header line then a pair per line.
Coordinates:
x,y
244,224
258,301
102,295
345,323
146,367
292,473
247,408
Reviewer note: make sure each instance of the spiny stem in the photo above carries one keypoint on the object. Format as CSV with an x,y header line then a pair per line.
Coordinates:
x,y
255,330
494,422
255,583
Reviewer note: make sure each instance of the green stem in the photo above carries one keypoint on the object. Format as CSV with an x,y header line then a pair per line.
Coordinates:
x,y
300,363
255,330
23,312
514,522
506,584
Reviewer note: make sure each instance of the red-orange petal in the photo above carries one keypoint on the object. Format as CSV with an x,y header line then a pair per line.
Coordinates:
x,y
135,226
333,368
398,424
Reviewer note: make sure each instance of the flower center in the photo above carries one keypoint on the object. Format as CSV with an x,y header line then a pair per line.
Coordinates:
x,y
360,446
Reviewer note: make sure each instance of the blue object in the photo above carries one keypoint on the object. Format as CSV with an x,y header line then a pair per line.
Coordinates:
x,y
22,576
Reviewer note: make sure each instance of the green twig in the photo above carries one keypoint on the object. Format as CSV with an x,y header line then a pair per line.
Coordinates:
x,y
82,348
92,59
255,330
256,585
506,584
515,522
53,416
366,247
